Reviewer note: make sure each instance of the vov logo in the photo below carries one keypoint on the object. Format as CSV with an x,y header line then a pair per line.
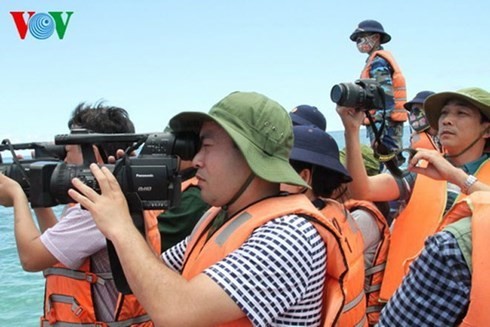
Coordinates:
x,y
41,25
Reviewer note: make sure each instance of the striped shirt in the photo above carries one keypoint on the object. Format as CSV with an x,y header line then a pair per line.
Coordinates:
x,y
276,277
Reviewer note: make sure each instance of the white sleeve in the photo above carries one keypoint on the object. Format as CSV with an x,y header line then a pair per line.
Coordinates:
x,y
74,238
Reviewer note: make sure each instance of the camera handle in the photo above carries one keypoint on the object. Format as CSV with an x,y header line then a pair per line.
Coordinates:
x,y
136,212
16,161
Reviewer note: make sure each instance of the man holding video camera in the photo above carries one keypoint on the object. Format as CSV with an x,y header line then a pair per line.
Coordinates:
x,y
258,256
72,252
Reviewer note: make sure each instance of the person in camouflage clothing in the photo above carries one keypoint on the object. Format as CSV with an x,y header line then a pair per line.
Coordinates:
x,y
381,66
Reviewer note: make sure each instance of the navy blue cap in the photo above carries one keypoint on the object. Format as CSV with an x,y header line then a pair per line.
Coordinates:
x,y
419,98
370,26
312,145
308,115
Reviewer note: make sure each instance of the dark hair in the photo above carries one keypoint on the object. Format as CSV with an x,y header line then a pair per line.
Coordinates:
x,y
99,118
324,181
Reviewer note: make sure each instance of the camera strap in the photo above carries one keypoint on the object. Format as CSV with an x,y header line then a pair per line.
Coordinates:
x,y
377,133
381,152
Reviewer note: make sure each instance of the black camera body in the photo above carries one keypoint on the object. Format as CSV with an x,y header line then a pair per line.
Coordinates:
x,y
150,180
363,94
19,169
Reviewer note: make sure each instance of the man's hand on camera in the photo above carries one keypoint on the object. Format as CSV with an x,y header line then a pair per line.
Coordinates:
x,y
119,154
109,209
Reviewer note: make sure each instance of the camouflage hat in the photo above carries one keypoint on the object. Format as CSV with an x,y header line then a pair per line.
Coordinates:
x,y
259,126
473,95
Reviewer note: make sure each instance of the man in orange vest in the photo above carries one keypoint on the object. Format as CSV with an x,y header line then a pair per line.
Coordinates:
x,y
434,182
382,67
258,256
448,282
71,251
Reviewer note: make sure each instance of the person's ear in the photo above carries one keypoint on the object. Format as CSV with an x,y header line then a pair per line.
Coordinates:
x,y
306,175
486,133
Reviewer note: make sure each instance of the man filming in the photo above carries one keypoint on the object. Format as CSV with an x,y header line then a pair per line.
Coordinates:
x,y
72,252
258,257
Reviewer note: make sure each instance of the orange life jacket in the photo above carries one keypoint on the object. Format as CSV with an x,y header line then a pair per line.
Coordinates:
x,y
374,275
339,216
423,140
399,113
476,205
339,282
421,218
69,300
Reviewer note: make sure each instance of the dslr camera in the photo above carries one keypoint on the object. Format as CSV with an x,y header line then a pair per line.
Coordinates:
x,y
363,94
150,180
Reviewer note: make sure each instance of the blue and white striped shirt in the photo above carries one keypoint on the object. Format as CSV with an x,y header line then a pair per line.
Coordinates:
x,y
276,277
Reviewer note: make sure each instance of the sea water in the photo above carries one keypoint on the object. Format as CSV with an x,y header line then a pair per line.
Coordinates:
x,y
21,293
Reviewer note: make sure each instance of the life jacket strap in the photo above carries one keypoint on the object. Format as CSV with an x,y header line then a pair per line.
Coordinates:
x,y
122,323
375,269
99,278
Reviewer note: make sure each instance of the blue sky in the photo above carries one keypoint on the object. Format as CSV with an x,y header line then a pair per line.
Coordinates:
x,y
157,58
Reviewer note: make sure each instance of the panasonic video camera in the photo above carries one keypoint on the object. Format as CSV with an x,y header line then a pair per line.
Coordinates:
x,y
363,94
150,180
19,169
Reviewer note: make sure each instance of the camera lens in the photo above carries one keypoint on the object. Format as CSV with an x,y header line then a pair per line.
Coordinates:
x,y
337,93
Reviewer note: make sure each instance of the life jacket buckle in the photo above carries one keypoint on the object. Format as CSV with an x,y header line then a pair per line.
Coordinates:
x,y
77,309
91,277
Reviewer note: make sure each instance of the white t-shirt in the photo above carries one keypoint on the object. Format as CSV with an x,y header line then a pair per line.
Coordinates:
x,y
276,277
72,240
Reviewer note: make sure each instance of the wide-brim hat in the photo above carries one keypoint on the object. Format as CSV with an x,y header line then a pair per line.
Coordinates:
x,y
473,95
370,26
317,147
261,129
419,98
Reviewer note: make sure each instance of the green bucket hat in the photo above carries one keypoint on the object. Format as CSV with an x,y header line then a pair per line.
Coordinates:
x,y
259,126
370,162
473,95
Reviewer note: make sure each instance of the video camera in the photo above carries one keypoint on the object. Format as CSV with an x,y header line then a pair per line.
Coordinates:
x,y
19,168
363,94
150,180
